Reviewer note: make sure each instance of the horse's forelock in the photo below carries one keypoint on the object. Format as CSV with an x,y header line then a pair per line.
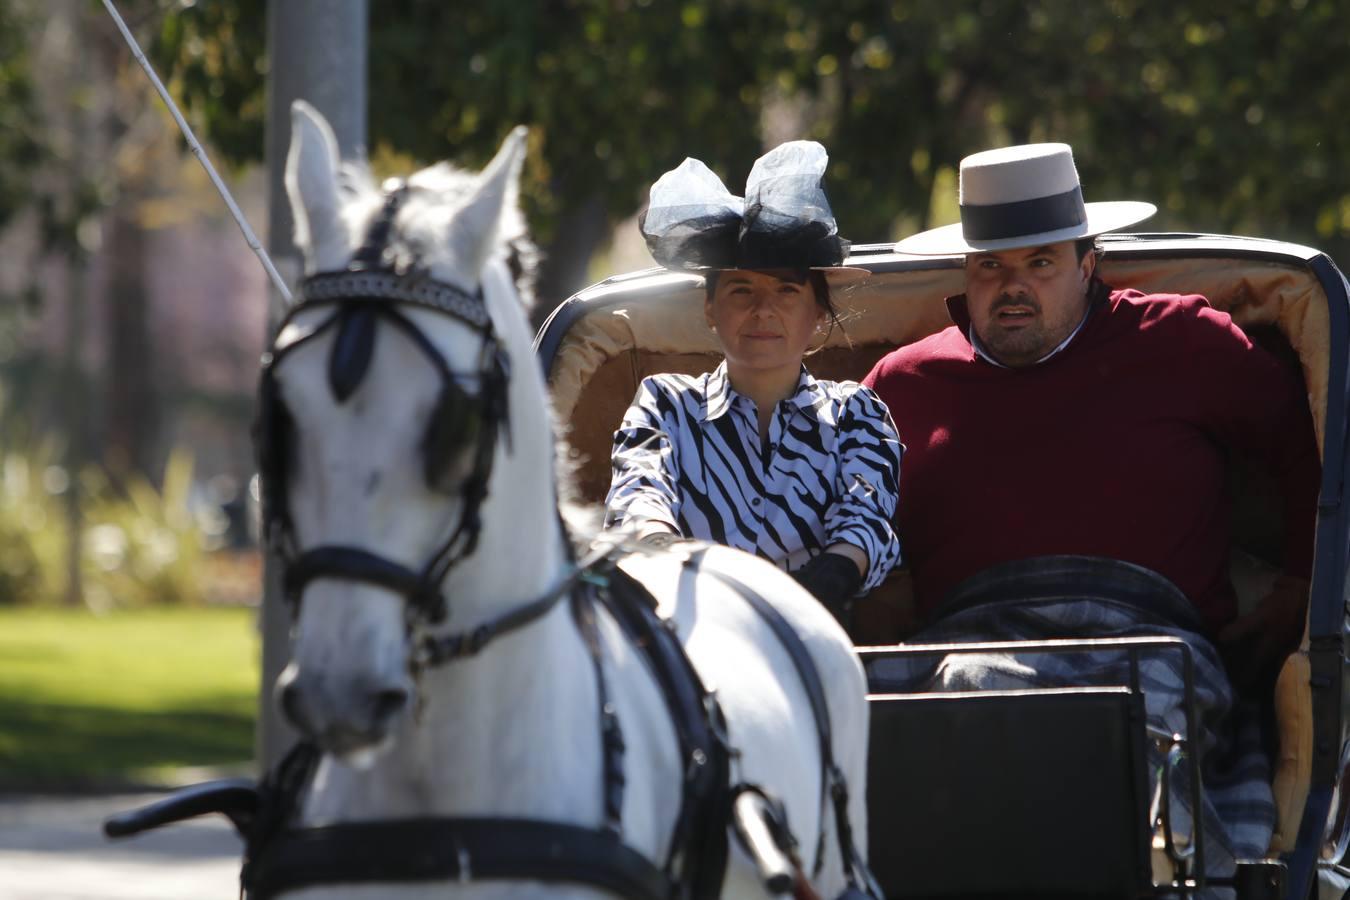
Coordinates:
x,y
361,200
439,191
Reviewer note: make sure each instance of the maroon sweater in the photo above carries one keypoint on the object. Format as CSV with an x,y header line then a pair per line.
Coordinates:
x,y
1115,447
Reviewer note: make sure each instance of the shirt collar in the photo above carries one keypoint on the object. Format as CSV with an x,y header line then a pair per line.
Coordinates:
x,y
720,393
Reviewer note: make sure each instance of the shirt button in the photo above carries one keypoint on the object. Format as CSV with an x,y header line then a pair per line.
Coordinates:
x,y
755,502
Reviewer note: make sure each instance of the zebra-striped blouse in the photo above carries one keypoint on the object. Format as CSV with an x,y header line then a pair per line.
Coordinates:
x,y
688,454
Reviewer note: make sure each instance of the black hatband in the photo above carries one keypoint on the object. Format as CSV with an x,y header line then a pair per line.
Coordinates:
x,y
997,221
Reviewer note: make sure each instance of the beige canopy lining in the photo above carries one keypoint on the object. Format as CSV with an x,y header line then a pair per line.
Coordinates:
x,y
606,353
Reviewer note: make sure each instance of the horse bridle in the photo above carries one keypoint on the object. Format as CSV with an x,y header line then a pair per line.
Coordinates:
x,y
367,292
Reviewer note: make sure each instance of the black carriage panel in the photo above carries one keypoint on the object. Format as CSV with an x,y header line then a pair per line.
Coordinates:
x,y
1059,810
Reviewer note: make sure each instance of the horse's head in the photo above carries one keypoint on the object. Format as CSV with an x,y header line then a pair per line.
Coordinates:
x,y
386,414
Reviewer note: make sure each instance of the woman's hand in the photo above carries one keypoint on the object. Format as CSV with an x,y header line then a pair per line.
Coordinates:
x,y
657,535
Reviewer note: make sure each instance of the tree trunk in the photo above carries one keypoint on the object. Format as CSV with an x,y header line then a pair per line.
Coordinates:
x,y
564,271
75,407
326,66
131,405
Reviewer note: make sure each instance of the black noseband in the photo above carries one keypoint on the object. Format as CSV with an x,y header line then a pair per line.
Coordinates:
x,y
355,564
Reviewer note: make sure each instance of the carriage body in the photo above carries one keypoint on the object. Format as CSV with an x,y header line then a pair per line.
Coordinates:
x,y
598,345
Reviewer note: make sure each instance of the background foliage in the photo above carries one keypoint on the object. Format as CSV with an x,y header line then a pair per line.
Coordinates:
x,y
20,133
141,545
1196,106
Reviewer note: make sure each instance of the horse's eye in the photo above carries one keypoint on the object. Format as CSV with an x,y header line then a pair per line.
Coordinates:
x,y
453,429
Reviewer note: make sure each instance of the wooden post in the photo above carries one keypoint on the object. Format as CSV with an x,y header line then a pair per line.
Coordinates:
x,y
316,52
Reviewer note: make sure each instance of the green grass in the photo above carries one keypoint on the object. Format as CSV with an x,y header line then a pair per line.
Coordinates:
x,y
125,696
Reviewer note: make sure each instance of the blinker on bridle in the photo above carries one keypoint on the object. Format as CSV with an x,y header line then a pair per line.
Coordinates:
x,y
367,292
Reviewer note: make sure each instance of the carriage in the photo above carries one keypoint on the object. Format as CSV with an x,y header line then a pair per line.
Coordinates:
x,y
1052,784
1043,793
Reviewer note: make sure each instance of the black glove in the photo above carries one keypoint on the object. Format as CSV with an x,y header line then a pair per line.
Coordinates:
x,y
833,580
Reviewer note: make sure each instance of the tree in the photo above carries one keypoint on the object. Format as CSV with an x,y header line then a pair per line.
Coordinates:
x,y
1193,106
1190,105
21,144
79,161
613,91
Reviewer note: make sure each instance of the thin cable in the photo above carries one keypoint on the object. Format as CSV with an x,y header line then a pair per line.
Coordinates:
x,y
198,152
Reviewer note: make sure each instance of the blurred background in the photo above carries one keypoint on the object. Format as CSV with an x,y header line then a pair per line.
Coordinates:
x,y
132,314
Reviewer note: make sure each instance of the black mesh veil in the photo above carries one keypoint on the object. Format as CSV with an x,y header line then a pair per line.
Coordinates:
x,y
693,222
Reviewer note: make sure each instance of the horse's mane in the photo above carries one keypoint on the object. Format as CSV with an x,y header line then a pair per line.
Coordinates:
x,y
582,521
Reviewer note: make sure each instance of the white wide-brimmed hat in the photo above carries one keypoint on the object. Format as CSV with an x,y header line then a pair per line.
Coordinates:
x,y
1022,196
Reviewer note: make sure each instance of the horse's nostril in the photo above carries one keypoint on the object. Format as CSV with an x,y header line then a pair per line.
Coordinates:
x,y
389,703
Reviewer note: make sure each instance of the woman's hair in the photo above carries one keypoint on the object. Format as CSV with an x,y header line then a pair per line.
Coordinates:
x,y
815,277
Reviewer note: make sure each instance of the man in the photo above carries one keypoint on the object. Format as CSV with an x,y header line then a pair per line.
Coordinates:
x,y
1058,416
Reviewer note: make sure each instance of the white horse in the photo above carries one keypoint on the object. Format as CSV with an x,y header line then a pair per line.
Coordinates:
x,y
379,467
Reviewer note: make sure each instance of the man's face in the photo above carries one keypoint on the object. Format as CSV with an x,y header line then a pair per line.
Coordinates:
x,y
1023,303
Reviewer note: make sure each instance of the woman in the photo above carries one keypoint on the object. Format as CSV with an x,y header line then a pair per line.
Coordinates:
x,y
757,454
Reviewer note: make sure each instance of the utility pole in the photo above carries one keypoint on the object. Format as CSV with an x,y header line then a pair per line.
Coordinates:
x,y
316,52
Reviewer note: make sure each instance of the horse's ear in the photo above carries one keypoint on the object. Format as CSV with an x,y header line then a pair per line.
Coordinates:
x,y
474,229
312,185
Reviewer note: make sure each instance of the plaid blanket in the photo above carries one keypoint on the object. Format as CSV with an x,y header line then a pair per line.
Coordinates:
x,y
1237,805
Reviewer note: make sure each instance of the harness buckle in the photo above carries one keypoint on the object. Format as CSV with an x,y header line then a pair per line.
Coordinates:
x,y
432,602
697,760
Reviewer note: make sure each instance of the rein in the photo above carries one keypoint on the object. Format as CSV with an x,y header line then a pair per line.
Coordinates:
x,y
435,650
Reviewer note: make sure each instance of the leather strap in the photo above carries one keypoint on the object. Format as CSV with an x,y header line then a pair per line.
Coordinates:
x,y
612,746
833,784
440,649
699,838
356,564
806,674
441,849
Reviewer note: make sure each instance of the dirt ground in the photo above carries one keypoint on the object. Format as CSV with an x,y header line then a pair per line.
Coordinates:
x,y
53,848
